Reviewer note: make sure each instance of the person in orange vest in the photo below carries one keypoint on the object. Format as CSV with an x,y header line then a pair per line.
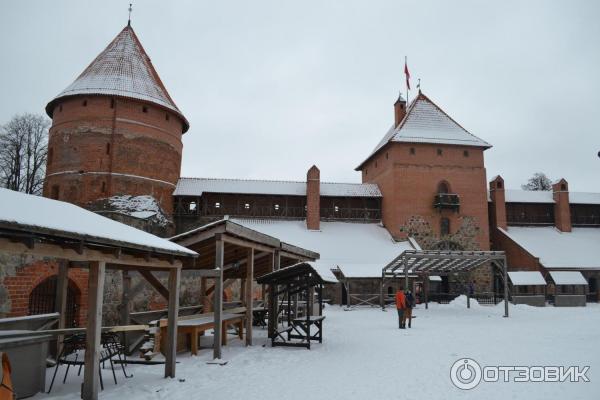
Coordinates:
x,y
6,387
400,306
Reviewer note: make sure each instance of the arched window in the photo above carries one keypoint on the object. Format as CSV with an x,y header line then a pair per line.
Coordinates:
x,y
443,188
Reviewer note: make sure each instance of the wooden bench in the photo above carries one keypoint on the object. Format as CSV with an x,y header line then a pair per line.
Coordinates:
x,y
193,326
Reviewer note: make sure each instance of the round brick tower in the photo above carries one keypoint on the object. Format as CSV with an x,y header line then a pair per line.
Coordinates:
x,y
115,130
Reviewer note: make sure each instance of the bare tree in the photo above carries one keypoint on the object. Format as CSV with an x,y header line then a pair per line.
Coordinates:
x,y
539,181
23,153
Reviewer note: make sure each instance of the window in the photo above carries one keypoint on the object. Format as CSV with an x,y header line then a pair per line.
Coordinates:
x,y
247,206
466,153
107,148
439,152
413,151
193,206
444,227
60,108
563,187
366,172
85,103
217,205
167,117
443,188
276,207
103,187
50,155
145,109
54,192
375,164
387,156
112,103
499,185
336,209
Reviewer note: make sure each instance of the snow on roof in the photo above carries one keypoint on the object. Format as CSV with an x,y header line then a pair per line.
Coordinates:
x,y
425,122
528,196
122,69
30,213
584,198
197,186
577,249
524,278
340,244
568,278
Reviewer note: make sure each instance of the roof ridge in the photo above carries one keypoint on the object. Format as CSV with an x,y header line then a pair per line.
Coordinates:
x,y
271,180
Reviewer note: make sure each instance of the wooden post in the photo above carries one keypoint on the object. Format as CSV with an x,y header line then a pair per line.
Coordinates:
x,y
218,297
62,284
94,323
405,277
276,260
505,275
381,290
249,295
125,306
426,290
171,351
273,301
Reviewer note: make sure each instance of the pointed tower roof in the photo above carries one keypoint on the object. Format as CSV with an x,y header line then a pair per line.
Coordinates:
x,y
122,69
425,122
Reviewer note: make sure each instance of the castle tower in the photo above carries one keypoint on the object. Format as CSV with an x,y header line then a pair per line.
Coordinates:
x,y
115,130
431,173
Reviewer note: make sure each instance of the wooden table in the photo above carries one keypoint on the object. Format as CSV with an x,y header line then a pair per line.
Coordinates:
x,y
197,326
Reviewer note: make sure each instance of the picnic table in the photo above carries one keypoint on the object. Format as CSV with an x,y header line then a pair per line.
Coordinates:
x,y
193,327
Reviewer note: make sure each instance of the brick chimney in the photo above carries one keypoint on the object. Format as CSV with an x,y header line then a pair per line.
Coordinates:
x,y
313,199
399,110
562,211
498,210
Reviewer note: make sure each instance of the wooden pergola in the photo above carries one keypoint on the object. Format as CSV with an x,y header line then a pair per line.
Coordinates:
x,y
229,251
81,249
440,262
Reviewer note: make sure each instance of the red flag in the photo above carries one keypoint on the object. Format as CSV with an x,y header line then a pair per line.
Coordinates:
x,y
407,75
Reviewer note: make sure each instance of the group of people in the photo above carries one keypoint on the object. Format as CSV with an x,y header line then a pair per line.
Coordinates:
x,y
404,305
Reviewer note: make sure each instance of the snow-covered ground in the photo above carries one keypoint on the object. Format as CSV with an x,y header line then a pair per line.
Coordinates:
x,y
366,356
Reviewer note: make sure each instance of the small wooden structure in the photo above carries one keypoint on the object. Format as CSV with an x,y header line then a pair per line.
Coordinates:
x,y
528,287
299,279
228,252
442,262
31,225
569,288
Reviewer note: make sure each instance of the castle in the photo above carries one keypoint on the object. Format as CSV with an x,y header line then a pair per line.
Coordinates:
x,y
116,137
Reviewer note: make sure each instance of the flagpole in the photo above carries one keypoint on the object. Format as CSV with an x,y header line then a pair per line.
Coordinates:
x,y
406,80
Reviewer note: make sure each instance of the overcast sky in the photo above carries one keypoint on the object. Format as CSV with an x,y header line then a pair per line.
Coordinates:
x,y
272,87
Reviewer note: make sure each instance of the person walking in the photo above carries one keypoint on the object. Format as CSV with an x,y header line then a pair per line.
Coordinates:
x,y
400,306
410,303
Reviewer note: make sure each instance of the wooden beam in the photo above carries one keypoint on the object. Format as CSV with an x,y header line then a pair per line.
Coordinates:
x,y
56,251
62,284
249,295
125,306
94,322
171,350
246,243
149,276
218,299
276,260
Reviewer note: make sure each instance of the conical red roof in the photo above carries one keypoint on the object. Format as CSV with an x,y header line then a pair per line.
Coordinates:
x,y
122,69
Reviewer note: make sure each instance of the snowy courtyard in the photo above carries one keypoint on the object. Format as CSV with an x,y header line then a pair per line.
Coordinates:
x,y
365,356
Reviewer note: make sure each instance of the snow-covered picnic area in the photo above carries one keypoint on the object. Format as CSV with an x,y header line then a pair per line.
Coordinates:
x,y
365,356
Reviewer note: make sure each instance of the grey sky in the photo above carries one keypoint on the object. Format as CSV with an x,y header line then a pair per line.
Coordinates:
x,y
272,87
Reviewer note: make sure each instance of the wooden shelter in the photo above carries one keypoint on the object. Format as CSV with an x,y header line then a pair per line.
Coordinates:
x,y
31,225
228,252
442,262
299,279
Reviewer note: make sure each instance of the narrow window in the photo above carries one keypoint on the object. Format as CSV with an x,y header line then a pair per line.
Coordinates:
x,y
107,148
276,207
366,172
413,151
217,205
443,188
466,153
103,187
499,185
375,164
50,155
444,227
112,103
167,117
387,156
247,206
439,152
145,109
54,192
563,187
336,209
60,108
85,103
